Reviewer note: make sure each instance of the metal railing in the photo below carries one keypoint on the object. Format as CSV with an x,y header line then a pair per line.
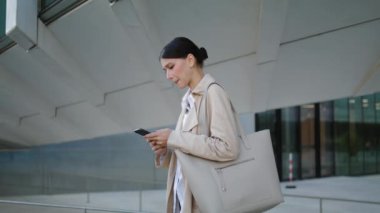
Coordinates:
x,y
321,199
86,208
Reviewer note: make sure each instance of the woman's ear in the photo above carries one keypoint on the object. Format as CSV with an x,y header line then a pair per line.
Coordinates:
x,y
190,59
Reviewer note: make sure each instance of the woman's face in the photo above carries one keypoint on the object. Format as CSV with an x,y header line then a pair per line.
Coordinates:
x,y
177,71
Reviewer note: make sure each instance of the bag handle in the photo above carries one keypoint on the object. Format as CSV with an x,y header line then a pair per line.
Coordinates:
x,y
205,126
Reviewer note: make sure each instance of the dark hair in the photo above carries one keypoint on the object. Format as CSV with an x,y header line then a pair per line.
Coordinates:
x,y
180,47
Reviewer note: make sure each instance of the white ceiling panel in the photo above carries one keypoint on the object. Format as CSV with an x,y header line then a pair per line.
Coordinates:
x,y
309,17
89,120
140,41
19,99
324,67
142,106
12,134
44,130
100,44
54,57
205,23
261,91
372,83
41,80
8,119
236,77
272,24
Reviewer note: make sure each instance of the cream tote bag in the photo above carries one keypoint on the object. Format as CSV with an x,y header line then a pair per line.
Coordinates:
x,y
248,184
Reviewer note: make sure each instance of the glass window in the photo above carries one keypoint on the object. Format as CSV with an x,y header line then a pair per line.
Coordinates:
x,y
51,10
269,120
326,139
307,123
356,153
289,139
265,120
5,41
368,134
377,132
341,137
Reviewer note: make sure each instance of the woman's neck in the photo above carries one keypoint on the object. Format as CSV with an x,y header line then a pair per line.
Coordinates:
x,y
197,77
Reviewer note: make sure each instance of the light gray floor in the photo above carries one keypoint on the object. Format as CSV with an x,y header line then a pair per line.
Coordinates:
x,y
333,190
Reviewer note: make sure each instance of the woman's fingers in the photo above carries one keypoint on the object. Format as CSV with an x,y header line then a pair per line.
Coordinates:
x,y
156,147
157,141
159,135
151,136
160,151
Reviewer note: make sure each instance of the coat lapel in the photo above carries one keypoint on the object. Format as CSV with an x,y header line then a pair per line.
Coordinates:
x,y
198,94
192,120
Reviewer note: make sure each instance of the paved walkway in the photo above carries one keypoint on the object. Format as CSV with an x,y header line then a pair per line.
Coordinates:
x,y
340,194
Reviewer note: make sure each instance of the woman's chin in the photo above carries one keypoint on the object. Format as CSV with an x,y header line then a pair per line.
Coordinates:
x,y
179,85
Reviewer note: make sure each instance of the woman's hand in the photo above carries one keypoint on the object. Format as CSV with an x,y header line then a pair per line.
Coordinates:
x,y
158,150
158,140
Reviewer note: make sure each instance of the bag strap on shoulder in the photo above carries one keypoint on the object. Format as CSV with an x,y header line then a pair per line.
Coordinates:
x,y
204,123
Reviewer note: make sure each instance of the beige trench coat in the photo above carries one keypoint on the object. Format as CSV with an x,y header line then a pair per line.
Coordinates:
x,y
221,145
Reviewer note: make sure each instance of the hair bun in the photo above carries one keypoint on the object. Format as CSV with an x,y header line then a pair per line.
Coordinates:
x,y
203,53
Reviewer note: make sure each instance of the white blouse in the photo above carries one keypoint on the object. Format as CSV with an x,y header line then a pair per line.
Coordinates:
x,y
188,103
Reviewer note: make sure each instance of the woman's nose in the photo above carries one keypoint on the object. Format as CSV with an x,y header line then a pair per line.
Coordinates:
x,y
168,75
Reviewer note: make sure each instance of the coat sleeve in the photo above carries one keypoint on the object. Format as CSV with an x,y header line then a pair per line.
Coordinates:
x,y
223,142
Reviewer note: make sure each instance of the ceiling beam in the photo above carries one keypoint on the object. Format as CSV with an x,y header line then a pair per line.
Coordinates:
x,y
366,78
52,55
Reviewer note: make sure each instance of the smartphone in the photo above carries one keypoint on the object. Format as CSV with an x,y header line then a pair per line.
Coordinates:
x,y
141,131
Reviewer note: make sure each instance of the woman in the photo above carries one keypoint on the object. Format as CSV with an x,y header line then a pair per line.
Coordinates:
x,y
182,62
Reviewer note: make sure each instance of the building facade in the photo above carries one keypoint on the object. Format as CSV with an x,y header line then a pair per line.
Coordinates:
x,y
331,138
